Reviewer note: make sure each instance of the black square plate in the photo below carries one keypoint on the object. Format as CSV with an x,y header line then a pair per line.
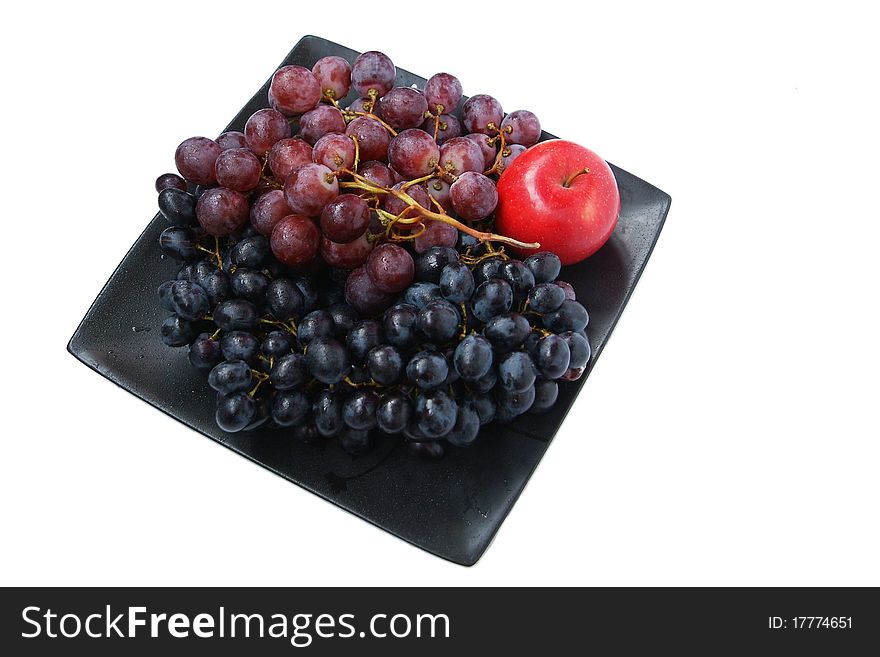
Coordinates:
x,y
451,507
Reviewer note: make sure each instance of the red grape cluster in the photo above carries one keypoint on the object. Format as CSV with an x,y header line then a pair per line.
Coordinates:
x,y
318,218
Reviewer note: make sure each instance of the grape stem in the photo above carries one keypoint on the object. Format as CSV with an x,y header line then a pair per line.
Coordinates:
x,y
496,166
365,184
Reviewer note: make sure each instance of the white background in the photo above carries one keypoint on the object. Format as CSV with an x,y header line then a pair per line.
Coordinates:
x,y
728,434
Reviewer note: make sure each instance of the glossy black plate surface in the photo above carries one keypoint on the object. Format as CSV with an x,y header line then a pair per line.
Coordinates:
x,y
451,507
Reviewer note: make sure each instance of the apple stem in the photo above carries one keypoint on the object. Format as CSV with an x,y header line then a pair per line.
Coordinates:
x,y
571,178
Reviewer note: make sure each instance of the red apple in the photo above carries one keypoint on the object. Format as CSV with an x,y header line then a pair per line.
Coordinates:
x,y
561,195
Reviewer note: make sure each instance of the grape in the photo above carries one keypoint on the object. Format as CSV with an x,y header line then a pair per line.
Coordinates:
x,y
199,271
456,283
439,190
399,323
579,349
179,242
287,155
327,411
448,127
491,298
363,336
217,286
322,120
348,255
178,207
427,369
374,71
435,414
546,392
295,90
231,139
516,371
309,188
222,211
488,268
289,371
395,206
568,289
394,412
250,252
385,364
372,137
308,287
473,196
403,107
344,318
170,181
376,172
485,383
189,300
238,169
250,284
479,112
443,91
317,324
240,345
327,360
521,127
230,376
507,331
461,154
334,76
164,292
235,411
545,297
413,153
512,152
552,356
421,293
484,405
436,234
345,218
512,404
487,147
268,210
276,344
363,294
430,264
195,159
473,358
365,105
519,276
545,266
359,409
438,321
236,314
571,316
334,151
176,331
306,433
573,374
290,408
295,240
204,353
467,426
264,128
285,299
390,268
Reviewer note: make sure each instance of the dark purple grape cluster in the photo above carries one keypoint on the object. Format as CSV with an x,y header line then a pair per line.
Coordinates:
x,y
340,279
